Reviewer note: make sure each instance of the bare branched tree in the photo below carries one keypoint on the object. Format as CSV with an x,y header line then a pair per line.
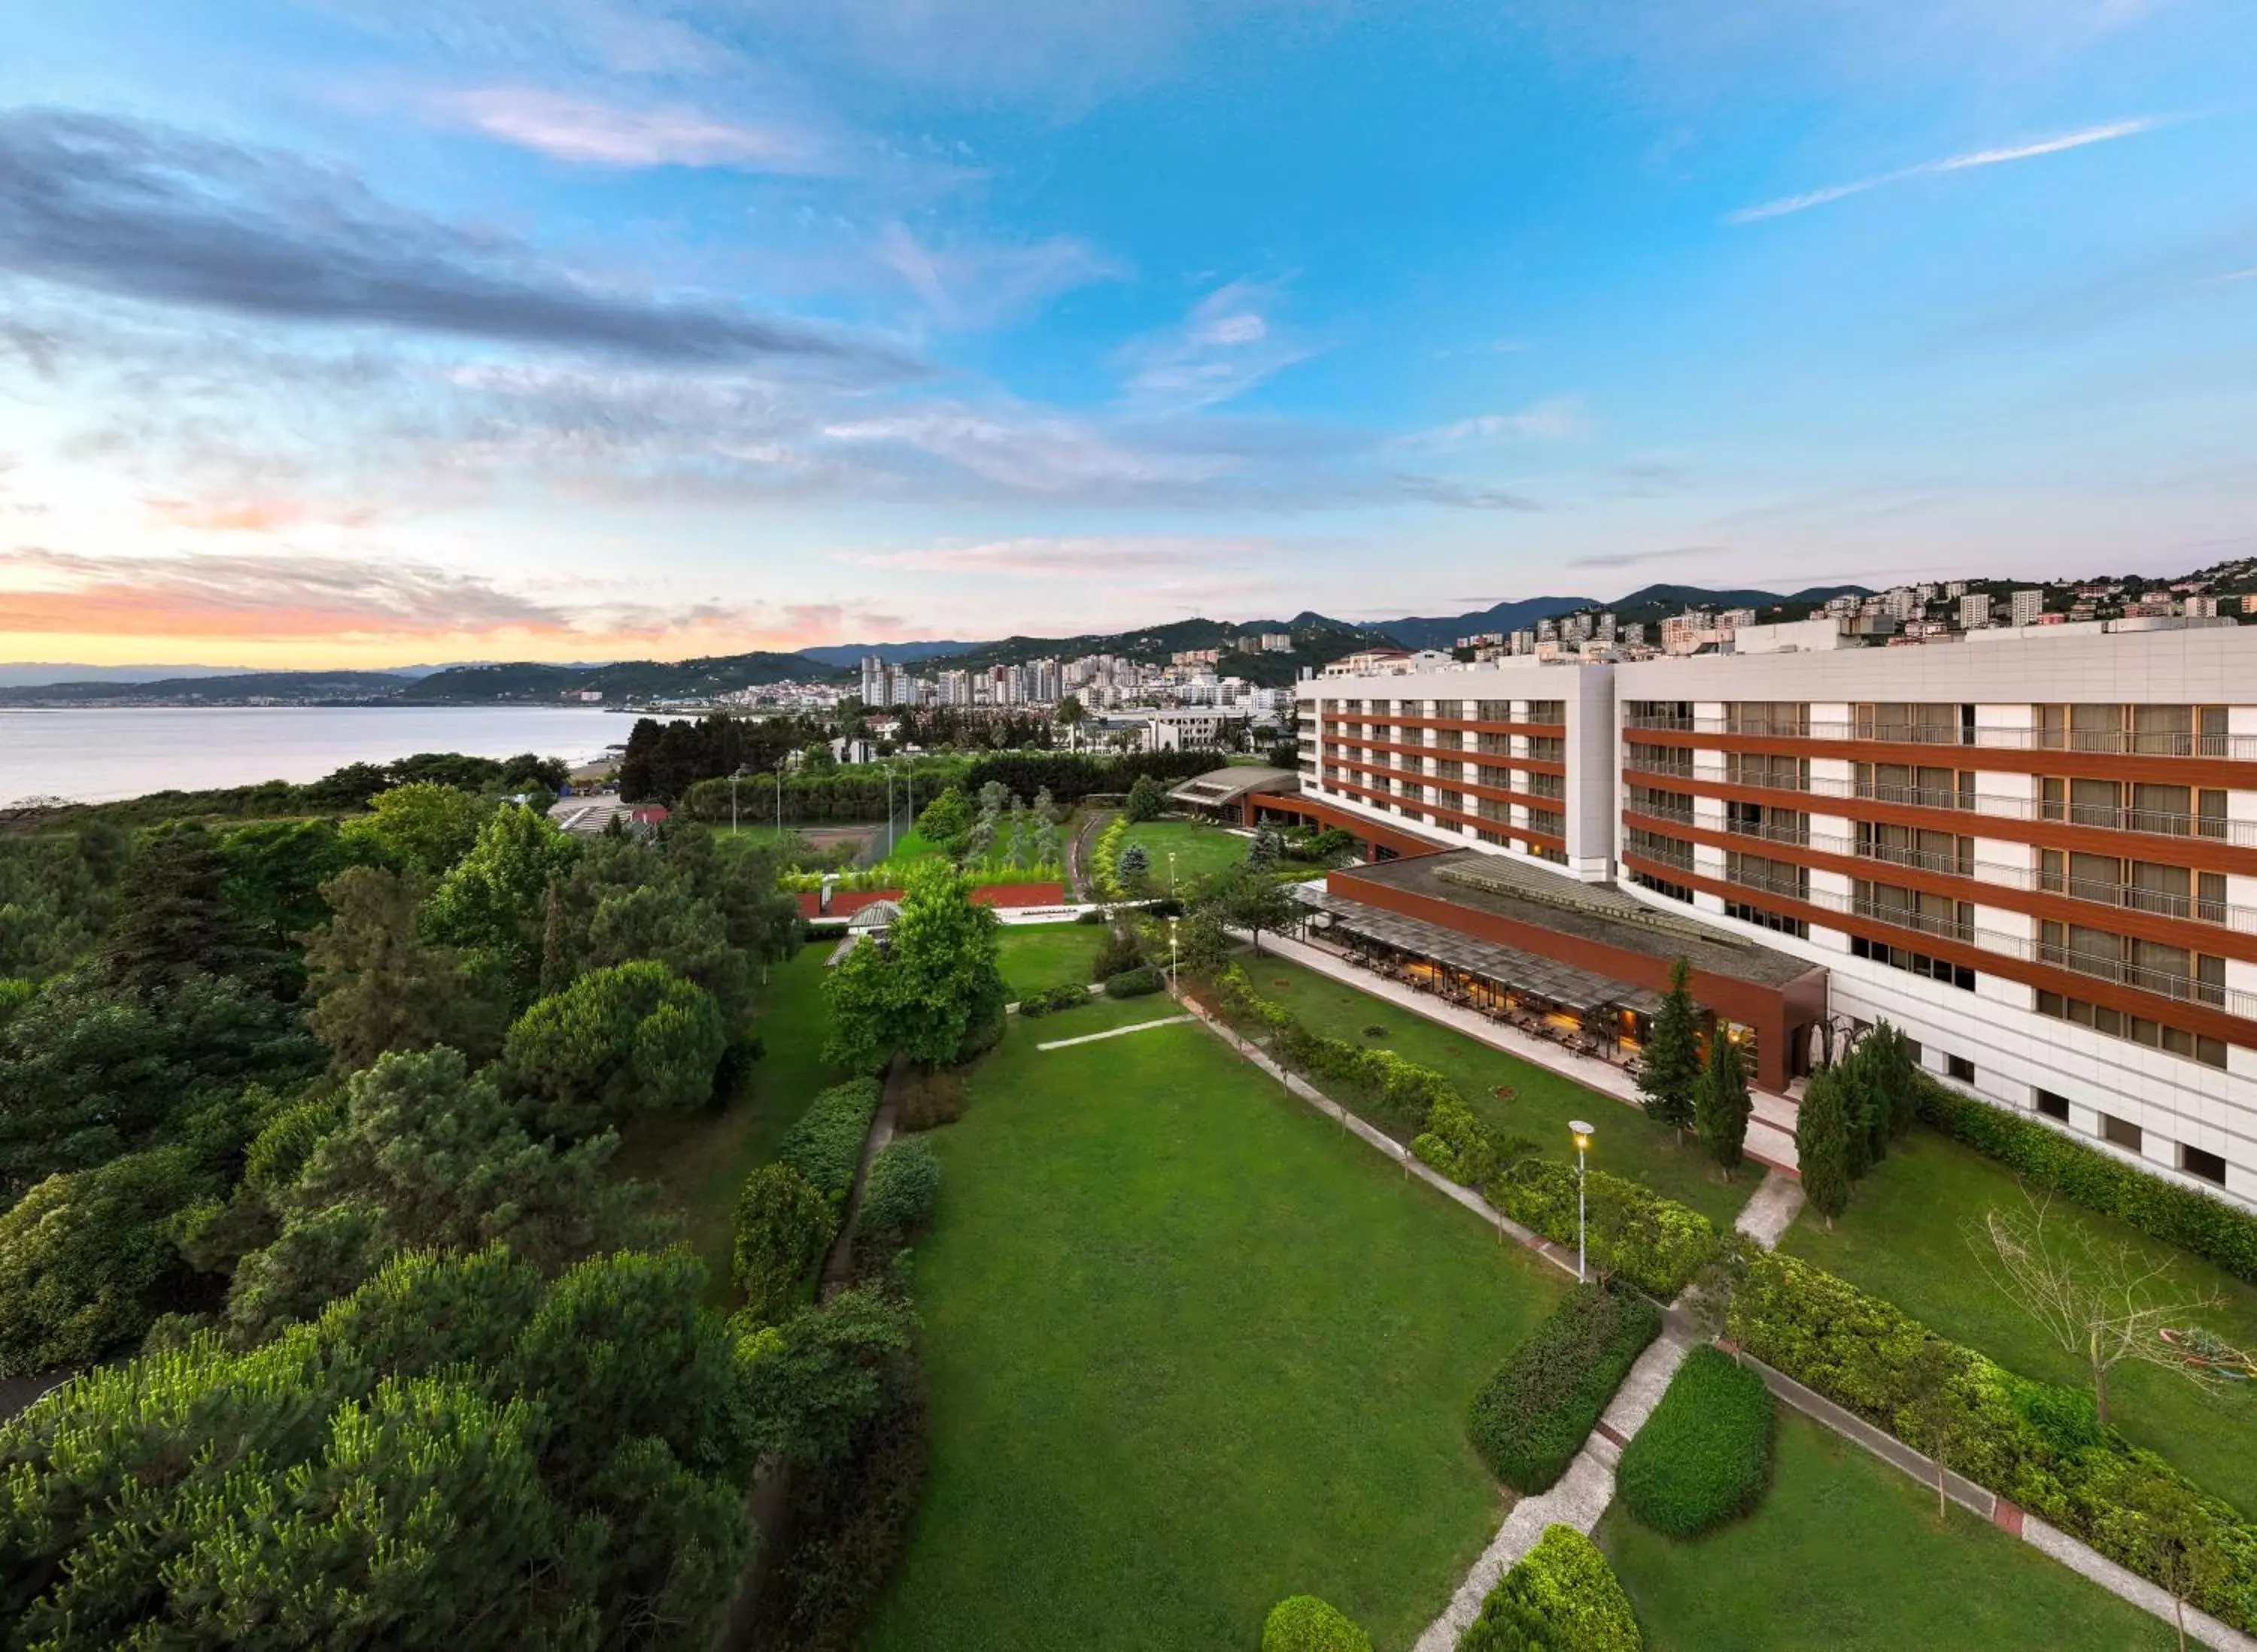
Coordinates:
x,y
2103,1303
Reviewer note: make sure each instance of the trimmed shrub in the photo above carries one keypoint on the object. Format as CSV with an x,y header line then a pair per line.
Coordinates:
x,y
930,1100
1531,1418
1657,1244
1141,982
897,1198
1704,1455
825,1146
784,1225
2085,1175
1049,1000
1121,951
2035,1444
1303,1623
1457,1143
1562,1597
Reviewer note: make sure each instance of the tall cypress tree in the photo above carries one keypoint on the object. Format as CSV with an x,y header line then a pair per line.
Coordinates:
x,y
1822,1145
1721,1105
1673,1054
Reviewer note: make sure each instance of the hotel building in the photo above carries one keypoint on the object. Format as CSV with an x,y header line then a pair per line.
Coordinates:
x,y
2034,850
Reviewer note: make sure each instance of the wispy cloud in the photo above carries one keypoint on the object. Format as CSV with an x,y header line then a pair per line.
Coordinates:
x,y
2249,274
964,284
2105,133
1085,558
589,132
1557,419
1632,559
152,213
1224,348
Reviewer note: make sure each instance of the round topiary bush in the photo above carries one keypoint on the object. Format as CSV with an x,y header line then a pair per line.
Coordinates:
x,y
897,1196
1704,1455
1303,1623
1138,983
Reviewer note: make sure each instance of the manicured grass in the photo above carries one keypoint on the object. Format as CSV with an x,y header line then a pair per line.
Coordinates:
x,y
1626,1142
1038,955
1201,851
1191,1350
1845,1553
1904,1237
700,1162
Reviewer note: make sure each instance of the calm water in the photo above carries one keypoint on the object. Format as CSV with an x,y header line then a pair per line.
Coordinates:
x,y
93,756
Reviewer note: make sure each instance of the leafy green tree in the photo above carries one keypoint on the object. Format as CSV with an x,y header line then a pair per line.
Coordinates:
x,y
816,1380
174,922
87,1259
632,1038
2178,1539
1672,1065
1146,800
423,826
1248,901
495,898
377,985
275,871
428,1157
457,1454
929,987
1934,1416
1721,1105
1822,1145
1203,944
784,1226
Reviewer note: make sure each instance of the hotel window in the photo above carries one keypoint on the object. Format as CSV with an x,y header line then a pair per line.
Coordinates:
x,y
2053,1106
1662,887
1543,748
1960,1068
1774,921
1759,872
1661,759
2133,1029
1543,819
2120,1133
1659,714
1454,800
1920,785
2148,966
1547,711
1493,710
1917,723
1913,963
1451,708
1767,770
1916,909
1768,718
1911,846
1778,825
2209,1166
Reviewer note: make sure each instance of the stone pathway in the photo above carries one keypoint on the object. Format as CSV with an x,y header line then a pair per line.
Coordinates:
x,y
1115,1032
838,1266
1767,1216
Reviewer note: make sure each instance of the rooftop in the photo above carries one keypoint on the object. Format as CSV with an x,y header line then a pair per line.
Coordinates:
x,y
1599,912
1228,785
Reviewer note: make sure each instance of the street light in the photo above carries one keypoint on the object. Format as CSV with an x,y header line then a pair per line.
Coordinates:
x,y
1172,985
1171,874
778,792
733,778
1582,1145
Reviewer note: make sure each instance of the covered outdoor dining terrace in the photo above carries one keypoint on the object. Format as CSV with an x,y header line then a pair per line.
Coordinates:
x,y
1582,1011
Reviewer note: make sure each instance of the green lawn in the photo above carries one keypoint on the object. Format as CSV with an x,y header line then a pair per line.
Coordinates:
x,y
1845,1553
701,1162
1038,955
1201,851
1626,1142
1904,1237
1190,1349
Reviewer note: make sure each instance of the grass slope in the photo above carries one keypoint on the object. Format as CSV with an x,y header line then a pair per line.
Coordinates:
x,y
1191,1350
701,1162
1626,1144
1845,1553
1037,955
1904,1237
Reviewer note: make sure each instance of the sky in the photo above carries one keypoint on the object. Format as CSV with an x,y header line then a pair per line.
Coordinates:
x,y
376,332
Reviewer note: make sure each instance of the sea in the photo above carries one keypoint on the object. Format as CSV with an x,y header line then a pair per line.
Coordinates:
x,y
94,755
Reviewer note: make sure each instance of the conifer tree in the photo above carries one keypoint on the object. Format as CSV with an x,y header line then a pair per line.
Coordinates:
x,y
1822,1145
1673,1054
1721,1105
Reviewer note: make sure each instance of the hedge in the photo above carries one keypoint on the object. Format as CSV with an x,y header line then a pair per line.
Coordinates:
x,y
1049,1000
898,1195
1141,982
783,1227
2027,1441
825,1146
1562,1596
1303,1623
1704,1455
1657,1244
2083,1175
1531,1418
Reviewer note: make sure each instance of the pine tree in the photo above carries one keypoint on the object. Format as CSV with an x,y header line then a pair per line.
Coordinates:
x,y
1673,1054
1822,1145
1721,1105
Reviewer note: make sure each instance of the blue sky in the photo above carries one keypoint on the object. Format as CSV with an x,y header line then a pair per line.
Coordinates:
x,y
378,330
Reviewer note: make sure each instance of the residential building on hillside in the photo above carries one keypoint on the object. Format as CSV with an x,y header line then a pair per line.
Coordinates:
x,y
2037,856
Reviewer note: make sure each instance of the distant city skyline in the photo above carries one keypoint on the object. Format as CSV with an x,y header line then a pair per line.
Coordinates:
x,y
339,334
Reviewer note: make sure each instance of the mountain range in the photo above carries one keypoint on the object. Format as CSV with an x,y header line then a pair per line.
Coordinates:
x,y
1317,637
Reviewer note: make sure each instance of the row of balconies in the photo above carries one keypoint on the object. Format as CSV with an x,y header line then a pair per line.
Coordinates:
x,y
2117,742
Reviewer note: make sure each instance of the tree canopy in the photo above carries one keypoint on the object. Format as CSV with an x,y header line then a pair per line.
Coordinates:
x,y
926,988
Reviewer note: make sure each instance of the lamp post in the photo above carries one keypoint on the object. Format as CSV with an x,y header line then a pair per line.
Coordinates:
x,y
778,792
1171,874
1173,987
737,775
889,810
1582,1133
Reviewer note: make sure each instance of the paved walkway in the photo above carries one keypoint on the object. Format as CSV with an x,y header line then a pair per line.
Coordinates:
x,y
1771,1128
1767,1216
1115,1032
838,1266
